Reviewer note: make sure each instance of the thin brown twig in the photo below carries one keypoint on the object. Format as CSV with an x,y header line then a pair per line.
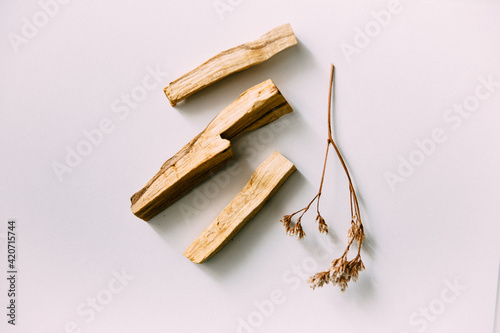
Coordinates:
x,y
341,270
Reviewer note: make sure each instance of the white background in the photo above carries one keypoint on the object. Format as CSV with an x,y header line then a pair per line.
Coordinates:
x,y
440,225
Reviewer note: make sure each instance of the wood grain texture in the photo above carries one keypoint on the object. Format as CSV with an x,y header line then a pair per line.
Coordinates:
x,y
265,181
231,61
209,150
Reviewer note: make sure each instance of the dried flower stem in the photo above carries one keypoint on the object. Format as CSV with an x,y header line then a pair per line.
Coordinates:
x,y
341,270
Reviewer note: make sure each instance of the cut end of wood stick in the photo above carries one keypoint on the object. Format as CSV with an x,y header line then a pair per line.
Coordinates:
x,y
192,164
210,150
231,61
254,108
265,181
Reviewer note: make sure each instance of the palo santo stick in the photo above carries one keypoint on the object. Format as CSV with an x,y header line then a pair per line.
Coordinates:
x,y
209,150
231,61
264,182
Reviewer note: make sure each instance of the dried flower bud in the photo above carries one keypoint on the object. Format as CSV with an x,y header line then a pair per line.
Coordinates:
x,y
356,232
298,231
341,272
322,226
287,219
319,279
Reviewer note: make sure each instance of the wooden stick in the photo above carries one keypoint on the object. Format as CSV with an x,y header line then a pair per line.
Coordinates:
x,y
209,150
264,182
231,61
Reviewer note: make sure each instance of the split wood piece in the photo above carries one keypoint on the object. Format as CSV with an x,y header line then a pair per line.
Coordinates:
x,y
231,61
209,150
264,182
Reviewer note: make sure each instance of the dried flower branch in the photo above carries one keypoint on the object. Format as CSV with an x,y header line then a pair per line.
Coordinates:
x,y
341,270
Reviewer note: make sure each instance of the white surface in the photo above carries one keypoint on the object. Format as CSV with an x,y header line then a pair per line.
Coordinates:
x,y
440,224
